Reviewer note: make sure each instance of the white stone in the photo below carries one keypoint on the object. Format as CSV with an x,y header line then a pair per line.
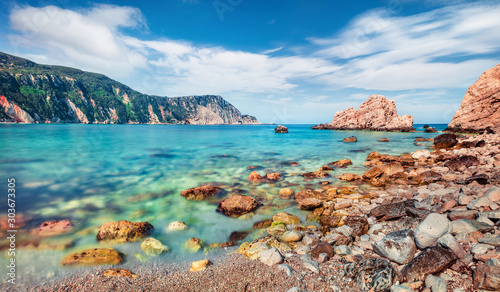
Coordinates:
x,y
294,289
271,257
311,265
177,226
449,241
346,230
436,284
480,248
287,269
401,288
421,154
431,229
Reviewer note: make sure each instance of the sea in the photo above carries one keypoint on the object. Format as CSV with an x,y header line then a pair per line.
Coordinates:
x,y
93,174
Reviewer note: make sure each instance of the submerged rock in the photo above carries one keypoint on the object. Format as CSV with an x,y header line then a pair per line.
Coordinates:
x,y
53,228
255,177
350,139
177,226
316,174
194,244
286,218
200,193
349,177
286,193
341,163
124,231
152,246
95,256
237,205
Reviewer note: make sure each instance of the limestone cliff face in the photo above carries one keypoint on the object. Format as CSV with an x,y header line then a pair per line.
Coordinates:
x,y
480,106
30,92
375,114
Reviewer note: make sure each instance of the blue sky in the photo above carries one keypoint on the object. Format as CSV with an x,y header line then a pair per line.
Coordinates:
x,y
282,61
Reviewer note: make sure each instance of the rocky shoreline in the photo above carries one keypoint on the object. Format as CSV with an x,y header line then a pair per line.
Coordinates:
x,y
421,221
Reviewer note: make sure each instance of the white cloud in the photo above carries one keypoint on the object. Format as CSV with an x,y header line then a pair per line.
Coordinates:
x,y
272,50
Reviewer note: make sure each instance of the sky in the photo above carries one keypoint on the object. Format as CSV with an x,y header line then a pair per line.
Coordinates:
x,y
283,61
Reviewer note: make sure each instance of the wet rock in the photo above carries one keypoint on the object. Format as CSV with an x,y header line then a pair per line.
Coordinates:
x,y
430,261
200,265
358,224
119,273
312,194
53,228
341,163
286,218
383,140
325,168
276,229
222,244
351,139
372,274
124,231
262,224
272,241
272,176
431,229
95,256
252,250
237,205
271,257
238,235
373,155
291,236
316,174
309,204
330,221
322,247
177,226
430,130
349,177
469,226
397,246
286,193
152,246
200,193
255,177
461,163
281,129
445,141
315,214
487,277
194,244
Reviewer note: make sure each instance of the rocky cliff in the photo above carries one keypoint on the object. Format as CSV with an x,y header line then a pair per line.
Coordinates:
x,y
375,114
30,92
480,108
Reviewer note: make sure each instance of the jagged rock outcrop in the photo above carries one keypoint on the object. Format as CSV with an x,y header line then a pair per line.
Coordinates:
x,y
33,93
480,108
375,114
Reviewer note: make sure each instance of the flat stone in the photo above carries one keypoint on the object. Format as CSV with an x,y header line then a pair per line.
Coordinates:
x,y
200,193
480,248
487,277
252,250
430,261
468,225
311,265
53,228
431,229
358,224
302,249
124,231
397,246
294,289
342,250
286,218
468,214
490,214
287,269
271,257
237,205
494,241
95,256
119,273
309,203
401,288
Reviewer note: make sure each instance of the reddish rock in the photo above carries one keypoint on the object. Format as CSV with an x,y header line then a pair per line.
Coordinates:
x,y
468,214
329,221
309,204
446,206
325,168
349,177
262,224
53,228
272,176
392,210
124,231
375,114
480,108
238,235
322,247
461,162
315,174
311,194
431,260
383,140
373,173
358,224
95,256
281,129
200,193
350,139
373,155
341,163
254,177
237,205
119,273
445,141
487,277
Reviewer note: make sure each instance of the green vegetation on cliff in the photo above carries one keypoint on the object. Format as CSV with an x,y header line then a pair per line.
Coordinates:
x,y
61,94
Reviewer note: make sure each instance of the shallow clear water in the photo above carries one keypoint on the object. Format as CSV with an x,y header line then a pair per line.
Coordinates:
x,y
92,174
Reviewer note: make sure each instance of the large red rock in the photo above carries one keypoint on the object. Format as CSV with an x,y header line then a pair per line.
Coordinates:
x,y
237,205
375,114
124,231
200,193
480,106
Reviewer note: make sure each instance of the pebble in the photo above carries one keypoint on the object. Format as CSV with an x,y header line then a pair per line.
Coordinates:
x,y
480,248
294,289
449,241
302,249
287,269
291,236
323,257
306,257
342,250
311,265
271,257
436,284
401,288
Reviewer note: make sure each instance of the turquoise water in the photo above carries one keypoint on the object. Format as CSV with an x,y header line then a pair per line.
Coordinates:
x,y
92,174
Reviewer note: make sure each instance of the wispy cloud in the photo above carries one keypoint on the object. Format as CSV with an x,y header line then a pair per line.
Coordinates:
x,y
272,50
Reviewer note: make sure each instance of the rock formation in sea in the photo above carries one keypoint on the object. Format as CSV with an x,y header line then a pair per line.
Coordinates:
x,y
480,108
375,114
33,93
